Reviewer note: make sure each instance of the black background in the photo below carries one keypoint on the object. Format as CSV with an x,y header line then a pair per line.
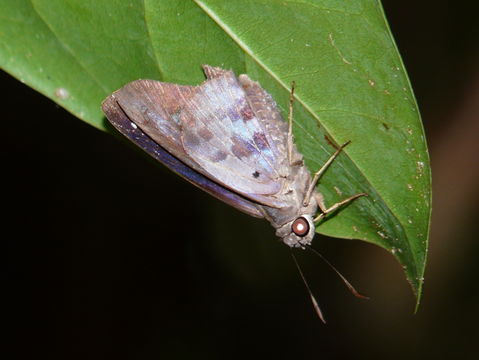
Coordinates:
x,y
112,256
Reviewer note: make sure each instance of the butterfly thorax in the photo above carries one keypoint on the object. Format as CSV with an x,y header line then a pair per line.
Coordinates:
x,y
292,194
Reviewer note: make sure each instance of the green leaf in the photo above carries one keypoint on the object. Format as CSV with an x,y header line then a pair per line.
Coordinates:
x,y
350,86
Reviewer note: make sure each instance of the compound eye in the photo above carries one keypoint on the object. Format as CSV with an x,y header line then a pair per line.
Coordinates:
x,y
300,227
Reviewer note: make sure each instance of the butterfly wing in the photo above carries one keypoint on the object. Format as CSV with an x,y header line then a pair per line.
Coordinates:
x,y
214,129
222,132
121,121
152,106
270,120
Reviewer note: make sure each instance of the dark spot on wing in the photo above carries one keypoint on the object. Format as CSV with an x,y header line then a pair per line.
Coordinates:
x,y
233,115
241,148
220,113
256,174
205,133
219,156
259,139
247,113
191,139
187,120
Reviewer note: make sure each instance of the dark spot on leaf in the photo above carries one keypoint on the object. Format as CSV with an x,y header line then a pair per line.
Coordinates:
x,y
326,137
386,126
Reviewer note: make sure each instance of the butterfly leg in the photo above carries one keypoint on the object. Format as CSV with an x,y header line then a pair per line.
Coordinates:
x,y
325,210
290,124
320,172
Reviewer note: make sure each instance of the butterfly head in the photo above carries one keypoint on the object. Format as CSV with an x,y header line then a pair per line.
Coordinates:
x,y
298,232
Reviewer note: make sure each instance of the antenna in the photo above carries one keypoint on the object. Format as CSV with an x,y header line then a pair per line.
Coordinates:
x,y
313,299
346,282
